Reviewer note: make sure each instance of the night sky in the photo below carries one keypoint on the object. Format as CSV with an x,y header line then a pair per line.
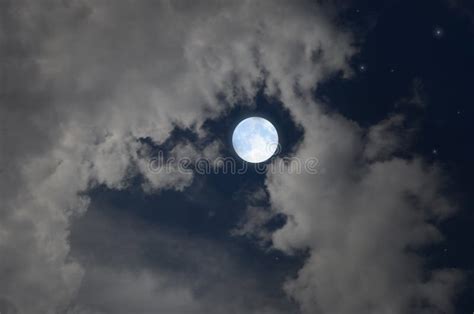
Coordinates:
x,y
92,90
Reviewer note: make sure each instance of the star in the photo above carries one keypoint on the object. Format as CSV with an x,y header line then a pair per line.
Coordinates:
x,y
435,151
362,68
438,32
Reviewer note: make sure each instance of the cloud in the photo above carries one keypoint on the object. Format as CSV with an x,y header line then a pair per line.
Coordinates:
x,y
363,221
138,267
84,81
387,137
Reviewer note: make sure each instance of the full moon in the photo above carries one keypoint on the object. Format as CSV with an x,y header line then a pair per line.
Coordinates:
x,y
255,139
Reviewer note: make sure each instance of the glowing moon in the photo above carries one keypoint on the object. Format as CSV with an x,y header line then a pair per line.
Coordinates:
x,y
255,139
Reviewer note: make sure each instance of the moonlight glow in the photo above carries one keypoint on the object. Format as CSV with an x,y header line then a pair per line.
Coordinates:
x,y
255,139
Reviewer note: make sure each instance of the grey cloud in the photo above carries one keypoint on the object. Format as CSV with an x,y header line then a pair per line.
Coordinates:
x,y
171,171
256,217
7,307
387,137
362,222
253,225
85,79
140,268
